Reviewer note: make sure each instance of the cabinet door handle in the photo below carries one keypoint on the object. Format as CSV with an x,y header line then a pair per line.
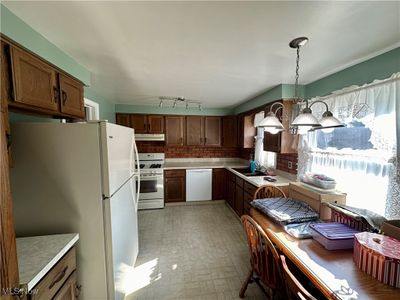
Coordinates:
x,y
64,97
56,94
59,277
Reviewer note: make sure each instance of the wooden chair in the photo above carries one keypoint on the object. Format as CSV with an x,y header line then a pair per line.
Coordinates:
x,y
268,191
264,260
294,288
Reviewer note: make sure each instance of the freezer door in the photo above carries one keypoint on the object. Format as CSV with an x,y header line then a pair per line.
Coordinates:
x,y
122,243
118,156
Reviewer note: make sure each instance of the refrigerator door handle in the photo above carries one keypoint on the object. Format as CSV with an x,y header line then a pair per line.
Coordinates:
x,y
137,175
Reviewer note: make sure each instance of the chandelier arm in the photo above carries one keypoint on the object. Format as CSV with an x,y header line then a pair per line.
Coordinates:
x,y
274,104
320,101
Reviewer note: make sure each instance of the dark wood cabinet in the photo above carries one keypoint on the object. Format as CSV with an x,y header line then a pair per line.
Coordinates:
x,y
71,94
174,130
155,124
239,193
194,131
282,142
229,131
246,130
175,185
219,184
139,123
212,131
34,81
123,119
238,205
230,193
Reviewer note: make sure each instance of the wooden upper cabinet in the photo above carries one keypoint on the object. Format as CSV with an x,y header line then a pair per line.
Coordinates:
x,y
229,131
139,123
174,130
71,94
194,131
155,124
212,131
123,119
283,142
34,81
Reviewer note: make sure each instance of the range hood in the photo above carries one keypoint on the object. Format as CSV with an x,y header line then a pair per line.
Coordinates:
x,y
150,137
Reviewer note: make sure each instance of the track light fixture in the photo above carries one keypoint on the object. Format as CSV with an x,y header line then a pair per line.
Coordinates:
x,y
179,99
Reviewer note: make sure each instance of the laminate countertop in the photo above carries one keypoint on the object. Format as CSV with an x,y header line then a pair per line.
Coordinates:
x,y
38,254
282,178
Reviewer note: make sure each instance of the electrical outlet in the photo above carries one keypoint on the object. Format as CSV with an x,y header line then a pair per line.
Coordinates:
x,y
289,165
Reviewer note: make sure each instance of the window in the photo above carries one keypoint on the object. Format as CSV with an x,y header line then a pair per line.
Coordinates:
x,y
359,156
91,110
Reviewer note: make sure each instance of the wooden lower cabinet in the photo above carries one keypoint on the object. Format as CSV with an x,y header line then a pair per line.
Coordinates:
x,y
247,198
219,184
68,290
238,205
230,193
175,186
59,282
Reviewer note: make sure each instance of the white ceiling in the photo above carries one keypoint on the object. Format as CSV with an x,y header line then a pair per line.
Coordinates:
x,y
221,53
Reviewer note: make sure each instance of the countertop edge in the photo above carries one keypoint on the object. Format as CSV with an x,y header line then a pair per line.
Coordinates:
x,y
254,183
52,263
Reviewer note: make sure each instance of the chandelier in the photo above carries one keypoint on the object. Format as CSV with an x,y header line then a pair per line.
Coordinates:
x,y
305,121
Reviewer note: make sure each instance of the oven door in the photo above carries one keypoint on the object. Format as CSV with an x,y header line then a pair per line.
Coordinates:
x,y
151,187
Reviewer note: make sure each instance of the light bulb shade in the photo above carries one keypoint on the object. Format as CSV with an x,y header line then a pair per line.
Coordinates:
x,y
329,121
271,121
273,130
306,118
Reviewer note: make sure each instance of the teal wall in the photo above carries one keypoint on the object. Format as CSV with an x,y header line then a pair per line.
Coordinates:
x,y
281,91
168,110
378,67
17,30
107,109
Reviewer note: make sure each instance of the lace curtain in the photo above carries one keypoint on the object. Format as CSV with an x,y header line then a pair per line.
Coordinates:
x,y
361,157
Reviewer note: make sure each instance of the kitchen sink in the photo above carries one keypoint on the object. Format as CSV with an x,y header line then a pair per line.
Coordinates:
x,y
247,172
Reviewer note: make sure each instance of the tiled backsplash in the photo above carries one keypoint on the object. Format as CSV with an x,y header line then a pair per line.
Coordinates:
x,y
187,151
206,152
283,161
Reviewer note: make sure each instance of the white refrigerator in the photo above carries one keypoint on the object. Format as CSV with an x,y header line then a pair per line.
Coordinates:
x,y
80,177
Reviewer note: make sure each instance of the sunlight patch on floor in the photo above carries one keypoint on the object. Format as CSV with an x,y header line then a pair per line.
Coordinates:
x,y
141,276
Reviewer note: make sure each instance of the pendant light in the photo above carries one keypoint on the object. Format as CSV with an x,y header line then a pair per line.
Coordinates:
x,y
271,122
306,121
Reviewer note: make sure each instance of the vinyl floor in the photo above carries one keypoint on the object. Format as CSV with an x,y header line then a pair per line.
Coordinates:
x,y
191,252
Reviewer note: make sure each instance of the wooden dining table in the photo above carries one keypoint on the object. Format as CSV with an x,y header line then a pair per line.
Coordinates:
x,y
333,272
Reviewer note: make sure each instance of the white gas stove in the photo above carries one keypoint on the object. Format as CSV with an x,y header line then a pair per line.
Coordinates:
x,y
151,193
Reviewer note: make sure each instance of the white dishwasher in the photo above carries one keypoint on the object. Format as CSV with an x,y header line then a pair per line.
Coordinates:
x,y
198,184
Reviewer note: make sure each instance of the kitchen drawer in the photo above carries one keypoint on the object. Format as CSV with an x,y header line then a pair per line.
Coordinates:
x,y
55,278
68,291
239,181
175,173
249,188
